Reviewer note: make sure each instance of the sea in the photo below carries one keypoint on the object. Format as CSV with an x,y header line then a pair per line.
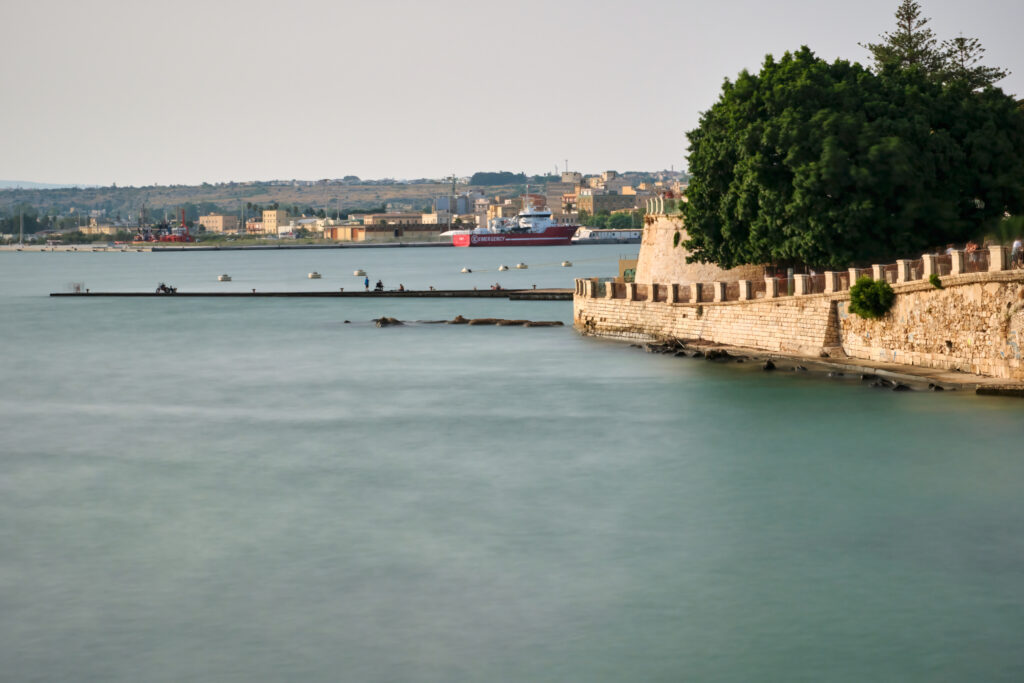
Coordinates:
x,y
278,490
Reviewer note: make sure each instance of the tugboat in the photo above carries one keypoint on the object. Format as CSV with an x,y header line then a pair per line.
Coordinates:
x,y
532,227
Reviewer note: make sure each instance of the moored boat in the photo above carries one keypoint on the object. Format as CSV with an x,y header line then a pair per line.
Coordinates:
x,y
532,227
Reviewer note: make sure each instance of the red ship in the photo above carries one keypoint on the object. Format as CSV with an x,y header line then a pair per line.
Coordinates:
x,y
531,228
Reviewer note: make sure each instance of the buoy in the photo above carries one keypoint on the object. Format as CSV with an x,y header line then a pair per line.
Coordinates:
x,y
224,278
566,264
359,273
467,270
521,266
503,267
314,275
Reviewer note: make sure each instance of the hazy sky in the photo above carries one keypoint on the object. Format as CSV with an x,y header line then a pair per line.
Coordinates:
x,y
183,91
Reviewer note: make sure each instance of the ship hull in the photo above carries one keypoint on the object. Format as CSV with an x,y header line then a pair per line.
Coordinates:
x,y
554,235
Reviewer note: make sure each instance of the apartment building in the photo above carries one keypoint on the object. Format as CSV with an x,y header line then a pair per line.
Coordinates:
x,y
274,220
596,203
219,222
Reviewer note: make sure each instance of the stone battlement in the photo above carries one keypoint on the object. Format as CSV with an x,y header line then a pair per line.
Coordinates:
x,y
974,323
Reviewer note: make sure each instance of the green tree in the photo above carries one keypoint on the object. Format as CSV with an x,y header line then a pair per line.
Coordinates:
x,y
621,221
963,64
912,44
831,165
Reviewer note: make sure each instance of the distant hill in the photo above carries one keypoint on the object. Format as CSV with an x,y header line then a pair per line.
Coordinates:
x,y
28,185
294,196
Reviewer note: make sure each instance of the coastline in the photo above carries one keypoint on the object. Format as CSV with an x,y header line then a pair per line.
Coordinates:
x,y
200,247
850,369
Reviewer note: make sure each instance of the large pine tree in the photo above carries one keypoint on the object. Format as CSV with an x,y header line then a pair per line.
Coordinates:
x,y
911,44
963,57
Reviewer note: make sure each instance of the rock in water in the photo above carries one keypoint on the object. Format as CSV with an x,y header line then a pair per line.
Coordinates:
x,y
458,320
800,368
901,387
768,365
388,322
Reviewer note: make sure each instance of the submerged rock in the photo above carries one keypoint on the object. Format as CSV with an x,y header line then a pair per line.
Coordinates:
x,y
388,322
901,387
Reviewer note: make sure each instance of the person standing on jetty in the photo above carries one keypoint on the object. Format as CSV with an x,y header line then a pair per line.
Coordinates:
x,y
366,283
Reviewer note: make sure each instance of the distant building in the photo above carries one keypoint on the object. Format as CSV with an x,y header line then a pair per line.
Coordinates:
x,y
219,222
274,220
253,227
383,233
393,219
596,203
311,225
436,218
572,177
460,204
96,229
506,209
555,194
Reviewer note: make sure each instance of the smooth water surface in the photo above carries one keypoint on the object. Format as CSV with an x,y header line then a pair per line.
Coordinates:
x,y
253,490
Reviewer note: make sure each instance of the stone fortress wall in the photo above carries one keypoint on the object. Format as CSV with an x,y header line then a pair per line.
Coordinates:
x,y
661,261
974,323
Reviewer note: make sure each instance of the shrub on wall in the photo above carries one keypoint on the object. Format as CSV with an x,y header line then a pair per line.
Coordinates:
x,y
871,298
936,282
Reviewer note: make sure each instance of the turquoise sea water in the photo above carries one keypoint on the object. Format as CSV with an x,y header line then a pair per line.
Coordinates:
x,y
252,490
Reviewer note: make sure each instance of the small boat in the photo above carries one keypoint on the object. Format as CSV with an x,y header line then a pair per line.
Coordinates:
x,y
567,264
314,275
521,266
359,273
224,278
467,270
502,268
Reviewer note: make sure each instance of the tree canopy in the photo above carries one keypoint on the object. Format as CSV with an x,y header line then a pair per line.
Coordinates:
x,y
963,57
913,45
831,165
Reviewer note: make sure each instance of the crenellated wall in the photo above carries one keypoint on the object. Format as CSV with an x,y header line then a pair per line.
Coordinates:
x,y
975,323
